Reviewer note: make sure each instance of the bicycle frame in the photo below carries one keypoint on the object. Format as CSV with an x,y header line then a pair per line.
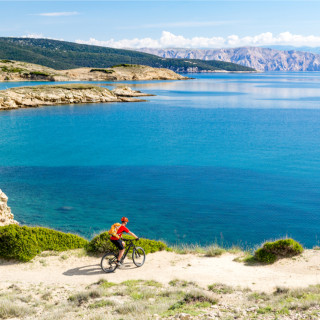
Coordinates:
x,y
127,248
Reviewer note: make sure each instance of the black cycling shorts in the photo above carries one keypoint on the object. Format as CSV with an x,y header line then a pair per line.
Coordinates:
x,y
118,244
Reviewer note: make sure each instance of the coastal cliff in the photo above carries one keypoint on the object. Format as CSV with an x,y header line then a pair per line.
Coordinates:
x,y
49,95
6,217
20,71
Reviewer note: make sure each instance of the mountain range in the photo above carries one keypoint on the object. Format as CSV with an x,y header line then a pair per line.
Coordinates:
x,y
259,58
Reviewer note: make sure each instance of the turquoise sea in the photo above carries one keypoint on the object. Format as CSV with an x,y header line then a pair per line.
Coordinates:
x,y
227,157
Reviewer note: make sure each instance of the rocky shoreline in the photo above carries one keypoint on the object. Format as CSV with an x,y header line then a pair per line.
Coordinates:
x,y
49,95
20,71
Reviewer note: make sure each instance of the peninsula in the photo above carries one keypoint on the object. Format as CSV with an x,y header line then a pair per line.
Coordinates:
x,y
48,95
11,70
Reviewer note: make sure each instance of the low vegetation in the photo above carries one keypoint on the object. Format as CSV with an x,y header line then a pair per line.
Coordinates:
x,y
24,243
141,299
11,70
272,251
102,70
39,73
213,250
125,65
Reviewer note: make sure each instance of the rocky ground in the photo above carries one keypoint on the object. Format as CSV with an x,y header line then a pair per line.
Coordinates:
x,y
21,71
85,292
36,96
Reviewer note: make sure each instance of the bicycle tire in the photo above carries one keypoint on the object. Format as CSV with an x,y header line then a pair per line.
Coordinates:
x,y
138,256
108,262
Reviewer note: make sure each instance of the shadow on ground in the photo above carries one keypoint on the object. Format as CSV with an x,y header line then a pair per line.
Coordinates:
x,y
94,269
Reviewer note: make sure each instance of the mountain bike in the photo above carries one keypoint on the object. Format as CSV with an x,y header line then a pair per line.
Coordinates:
x,y
109,260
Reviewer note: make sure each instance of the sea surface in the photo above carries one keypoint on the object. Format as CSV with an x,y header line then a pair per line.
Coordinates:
x,y
232,158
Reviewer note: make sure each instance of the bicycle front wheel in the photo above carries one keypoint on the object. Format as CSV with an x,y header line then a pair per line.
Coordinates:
x,y
138,256
108,262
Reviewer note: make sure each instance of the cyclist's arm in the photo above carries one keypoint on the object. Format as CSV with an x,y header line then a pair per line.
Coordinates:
x,y
133,234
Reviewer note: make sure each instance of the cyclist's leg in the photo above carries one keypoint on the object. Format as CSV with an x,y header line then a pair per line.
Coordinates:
x,y
120,245
121,252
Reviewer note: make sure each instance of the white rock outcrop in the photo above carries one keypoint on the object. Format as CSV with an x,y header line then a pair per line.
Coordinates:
x,y
6,217
36,96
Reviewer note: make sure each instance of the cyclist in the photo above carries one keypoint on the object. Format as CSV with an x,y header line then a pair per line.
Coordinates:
x,y
118,242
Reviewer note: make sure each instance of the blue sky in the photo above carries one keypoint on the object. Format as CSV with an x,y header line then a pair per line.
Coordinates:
x,y
165,23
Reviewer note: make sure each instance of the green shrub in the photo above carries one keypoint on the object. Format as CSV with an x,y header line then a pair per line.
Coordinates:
x,y
24,243
271,251
264,256
102,70
6,61
101,243
125,65
12,70
39,73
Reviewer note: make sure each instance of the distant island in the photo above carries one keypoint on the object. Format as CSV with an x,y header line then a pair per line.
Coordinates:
x,y
61,55
48,95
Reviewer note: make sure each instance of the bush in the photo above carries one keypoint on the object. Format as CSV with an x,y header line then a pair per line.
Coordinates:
x,y
125,65
39,73
11,70
101,243
102,70
24,243
264,256
271,251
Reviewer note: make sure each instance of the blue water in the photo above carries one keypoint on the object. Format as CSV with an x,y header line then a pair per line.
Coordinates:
x,y
231,157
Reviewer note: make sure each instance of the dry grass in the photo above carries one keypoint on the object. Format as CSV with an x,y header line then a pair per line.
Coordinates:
x,y
10,309
141,299
213,250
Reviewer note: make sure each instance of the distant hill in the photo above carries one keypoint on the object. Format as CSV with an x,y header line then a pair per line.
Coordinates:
x,y
263,59
66,55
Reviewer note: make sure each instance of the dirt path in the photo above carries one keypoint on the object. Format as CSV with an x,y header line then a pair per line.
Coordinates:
x,y
165,266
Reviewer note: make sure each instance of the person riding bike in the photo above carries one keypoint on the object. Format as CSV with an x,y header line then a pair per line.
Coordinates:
x,y
118,242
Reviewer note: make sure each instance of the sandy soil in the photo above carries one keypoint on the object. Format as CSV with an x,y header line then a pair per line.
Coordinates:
x,y
165,266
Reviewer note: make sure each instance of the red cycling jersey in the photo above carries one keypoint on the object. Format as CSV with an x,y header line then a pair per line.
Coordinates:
x,y
119,232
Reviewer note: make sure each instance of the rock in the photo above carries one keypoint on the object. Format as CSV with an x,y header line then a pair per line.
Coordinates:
x,y
23,97
128,92
6,217
183,316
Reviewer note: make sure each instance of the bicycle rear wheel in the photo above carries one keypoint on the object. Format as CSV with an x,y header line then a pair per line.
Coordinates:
x,y
138,256
108,262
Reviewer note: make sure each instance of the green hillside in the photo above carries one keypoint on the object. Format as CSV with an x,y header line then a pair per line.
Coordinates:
x,y
67,55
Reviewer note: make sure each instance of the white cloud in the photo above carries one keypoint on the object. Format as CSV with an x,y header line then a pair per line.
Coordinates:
x,y
57,14
39,36
34,35
170,40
